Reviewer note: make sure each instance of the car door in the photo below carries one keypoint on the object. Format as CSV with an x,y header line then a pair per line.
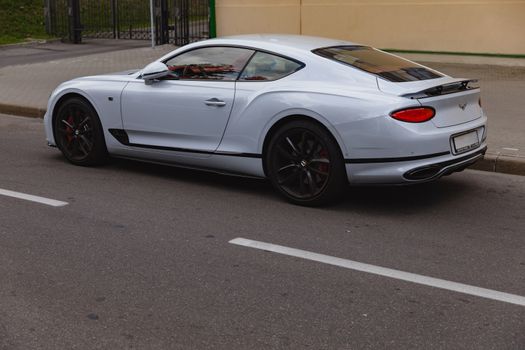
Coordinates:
x,y
189,110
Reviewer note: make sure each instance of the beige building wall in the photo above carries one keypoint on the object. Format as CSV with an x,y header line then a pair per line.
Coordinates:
x,y
477,26
258,16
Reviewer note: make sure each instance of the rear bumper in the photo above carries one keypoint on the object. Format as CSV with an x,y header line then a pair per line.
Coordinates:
x,y
434,171
413,152
412,171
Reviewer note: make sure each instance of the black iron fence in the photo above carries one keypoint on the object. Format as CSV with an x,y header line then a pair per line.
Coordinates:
x,y
174,21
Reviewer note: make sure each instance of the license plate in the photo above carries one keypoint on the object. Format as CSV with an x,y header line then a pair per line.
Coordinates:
x,y
465,142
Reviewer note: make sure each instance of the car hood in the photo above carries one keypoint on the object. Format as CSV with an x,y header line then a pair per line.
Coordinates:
x,y
126,72
118,76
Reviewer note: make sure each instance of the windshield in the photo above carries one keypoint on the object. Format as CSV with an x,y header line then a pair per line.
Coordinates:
x,y
374,61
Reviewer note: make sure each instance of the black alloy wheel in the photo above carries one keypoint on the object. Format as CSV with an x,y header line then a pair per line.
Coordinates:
x,y
305,164
78,133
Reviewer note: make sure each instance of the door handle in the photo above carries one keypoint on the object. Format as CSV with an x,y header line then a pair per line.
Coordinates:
x,y
215,102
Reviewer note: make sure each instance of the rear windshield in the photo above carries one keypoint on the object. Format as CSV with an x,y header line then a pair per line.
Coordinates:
x,y
386,66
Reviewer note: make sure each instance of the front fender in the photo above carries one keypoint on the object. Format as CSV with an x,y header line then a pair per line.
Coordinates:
x,y
56,96
104,96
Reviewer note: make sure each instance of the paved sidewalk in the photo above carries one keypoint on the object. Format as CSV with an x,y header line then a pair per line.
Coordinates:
x,y
17,54
25,88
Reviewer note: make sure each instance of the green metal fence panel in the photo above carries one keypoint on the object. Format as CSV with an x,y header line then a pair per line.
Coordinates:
x,y
212,20
175,21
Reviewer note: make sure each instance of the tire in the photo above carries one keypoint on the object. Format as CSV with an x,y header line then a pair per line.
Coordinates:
x,y
78,133
304,163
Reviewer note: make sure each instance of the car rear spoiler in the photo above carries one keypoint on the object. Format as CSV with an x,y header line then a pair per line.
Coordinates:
x,y
444,89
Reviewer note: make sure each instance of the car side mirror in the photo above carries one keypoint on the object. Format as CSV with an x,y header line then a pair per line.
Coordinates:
x,y
155,70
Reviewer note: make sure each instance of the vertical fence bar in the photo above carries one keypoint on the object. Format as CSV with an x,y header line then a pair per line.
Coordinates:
x,y
157,21
61,22
151,23
75,33
47,16
176,14
186,16
164,31
117,7
114,18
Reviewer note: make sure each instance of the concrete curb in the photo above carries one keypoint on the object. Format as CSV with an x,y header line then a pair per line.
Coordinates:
x,y
32,112
33,42
492,162
501,163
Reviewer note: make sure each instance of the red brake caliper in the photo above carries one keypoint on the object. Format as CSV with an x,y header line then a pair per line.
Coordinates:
x,y
323,166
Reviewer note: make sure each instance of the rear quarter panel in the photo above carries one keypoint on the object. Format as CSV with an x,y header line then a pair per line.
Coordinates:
x,y
340,108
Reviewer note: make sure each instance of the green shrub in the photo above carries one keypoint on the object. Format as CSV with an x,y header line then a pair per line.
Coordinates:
x,y
21,20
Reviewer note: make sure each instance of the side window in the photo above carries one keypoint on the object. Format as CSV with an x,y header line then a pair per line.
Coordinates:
x,y
209,63
265,66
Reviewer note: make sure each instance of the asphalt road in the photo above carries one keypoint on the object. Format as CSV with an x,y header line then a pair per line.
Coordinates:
x,y
140,259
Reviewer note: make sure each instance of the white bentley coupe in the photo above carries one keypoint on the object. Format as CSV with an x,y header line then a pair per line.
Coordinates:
x,y
310,114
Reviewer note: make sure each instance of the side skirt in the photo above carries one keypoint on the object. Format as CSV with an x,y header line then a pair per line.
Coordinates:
x,y
224,163
122,137
189,167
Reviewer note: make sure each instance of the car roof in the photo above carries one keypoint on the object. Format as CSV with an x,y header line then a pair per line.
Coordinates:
x,y
282,43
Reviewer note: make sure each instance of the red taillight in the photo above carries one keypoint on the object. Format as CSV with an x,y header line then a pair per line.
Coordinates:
x,y
414,115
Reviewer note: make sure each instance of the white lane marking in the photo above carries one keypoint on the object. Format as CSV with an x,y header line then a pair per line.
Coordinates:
x,y
29,197
383,271
510,149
